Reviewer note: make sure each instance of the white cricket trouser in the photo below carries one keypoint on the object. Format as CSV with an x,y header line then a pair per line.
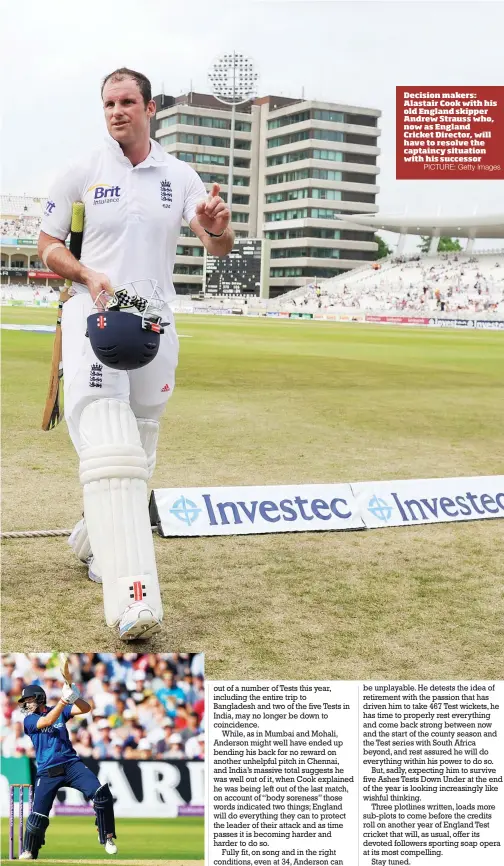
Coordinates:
x,y
86,379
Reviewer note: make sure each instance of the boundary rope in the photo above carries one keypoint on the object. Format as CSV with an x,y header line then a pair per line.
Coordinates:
x,y
43,533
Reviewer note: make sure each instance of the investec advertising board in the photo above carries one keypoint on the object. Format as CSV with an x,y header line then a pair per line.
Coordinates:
x,y
252,510
199,511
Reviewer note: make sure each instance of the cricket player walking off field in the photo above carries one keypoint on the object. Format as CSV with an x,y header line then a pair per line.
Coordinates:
x,y
135,196
59,766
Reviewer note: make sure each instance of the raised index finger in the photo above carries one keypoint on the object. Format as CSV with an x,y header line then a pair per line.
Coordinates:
x,y
215,190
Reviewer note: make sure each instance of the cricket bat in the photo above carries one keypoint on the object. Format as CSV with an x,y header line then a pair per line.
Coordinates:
x,y
54,404
65,668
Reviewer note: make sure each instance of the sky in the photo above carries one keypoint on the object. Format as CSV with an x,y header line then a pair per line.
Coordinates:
x,y
54,55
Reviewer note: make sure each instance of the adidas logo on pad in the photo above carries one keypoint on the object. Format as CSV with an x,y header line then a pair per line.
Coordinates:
x,y
165,387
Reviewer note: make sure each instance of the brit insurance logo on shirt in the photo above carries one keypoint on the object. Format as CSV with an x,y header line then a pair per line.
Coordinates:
x,y
105,193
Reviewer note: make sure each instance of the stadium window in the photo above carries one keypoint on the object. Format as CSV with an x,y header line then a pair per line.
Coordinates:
x,y
213,122
288,119
328,154
324,213
287,215
194,270
210,159
166,140
169,121
281,140
332,116
327,135
326,174
211,177
288,157
331,194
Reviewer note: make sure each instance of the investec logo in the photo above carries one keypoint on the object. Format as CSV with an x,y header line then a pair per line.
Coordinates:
x,y
436,507
104,193
238,512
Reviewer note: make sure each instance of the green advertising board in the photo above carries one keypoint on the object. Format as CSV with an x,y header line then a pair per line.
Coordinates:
x,y
15,771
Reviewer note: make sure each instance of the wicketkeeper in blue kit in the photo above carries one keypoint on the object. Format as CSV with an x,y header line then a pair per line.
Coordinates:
x,y
59,766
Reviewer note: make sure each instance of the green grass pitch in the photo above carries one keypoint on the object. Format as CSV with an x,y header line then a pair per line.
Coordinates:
x,y
151,839
269,402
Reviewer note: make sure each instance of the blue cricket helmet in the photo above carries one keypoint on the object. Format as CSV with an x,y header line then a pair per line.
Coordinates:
x,y
123,340
33,692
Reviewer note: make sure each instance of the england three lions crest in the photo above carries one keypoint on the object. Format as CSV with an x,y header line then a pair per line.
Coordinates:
x,y
166,193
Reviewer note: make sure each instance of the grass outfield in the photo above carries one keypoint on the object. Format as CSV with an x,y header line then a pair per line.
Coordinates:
x,y
145,840
270,402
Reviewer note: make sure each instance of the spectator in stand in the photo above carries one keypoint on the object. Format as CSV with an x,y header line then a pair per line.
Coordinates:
x,y
175,747
156,732
95,684
17,743
103,745
195,748
157,680
189,689
144,750
170,690
6,679
192,729
84,744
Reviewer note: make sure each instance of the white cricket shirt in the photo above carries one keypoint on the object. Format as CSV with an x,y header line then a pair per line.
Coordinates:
x,y
133,214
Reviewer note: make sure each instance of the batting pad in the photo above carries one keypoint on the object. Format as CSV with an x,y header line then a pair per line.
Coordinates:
x,y
114,473
149,432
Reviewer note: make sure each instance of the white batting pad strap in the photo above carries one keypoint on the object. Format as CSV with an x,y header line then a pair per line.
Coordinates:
x,y
113,471
108,461
149,433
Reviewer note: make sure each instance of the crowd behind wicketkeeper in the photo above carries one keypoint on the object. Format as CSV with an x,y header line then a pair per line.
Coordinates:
x,y
144,705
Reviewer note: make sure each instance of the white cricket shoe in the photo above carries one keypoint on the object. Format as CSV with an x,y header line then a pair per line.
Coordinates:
x,y
26,855
138,621
79,541
92,570
110,847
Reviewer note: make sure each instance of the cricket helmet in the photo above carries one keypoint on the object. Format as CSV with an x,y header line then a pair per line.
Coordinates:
x,y
36,692
128,340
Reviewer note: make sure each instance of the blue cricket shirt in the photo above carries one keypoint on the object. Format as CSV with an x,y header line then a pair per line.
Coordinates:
x,y
52,744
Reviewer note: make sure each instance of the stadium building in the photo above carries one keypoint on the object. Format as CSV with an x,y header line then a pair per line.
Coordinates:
x,y
19,229
299,167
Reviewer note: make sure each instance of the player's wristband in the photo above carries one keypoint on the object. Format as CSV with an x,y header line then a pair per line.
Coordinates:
x,y
214,236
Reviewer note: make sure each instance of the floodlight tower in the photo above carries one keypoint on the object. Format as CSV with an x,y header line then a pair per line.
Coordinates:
x,y
233,83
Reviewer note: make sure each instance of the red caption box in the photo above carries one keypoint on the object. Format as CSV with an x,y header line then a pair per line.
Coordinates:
x,y
450,133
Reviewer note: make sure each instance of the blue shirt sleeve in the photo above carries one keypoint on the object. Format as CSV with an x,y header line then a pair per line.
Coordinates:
x,y
30,723
67,712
